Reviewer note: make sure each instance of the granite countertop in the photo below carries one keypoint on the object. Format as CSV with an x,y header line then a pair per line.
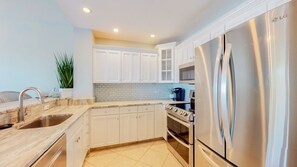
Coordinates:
x,y
23,147
134,103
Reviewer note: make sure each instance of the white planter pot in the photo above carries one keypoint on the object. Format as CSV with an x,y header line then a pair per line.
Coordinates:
x,y
66,92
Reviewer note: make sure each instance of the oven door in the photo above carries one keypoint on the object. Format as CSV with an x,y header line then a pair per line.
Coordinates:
x,y
182,130
179,149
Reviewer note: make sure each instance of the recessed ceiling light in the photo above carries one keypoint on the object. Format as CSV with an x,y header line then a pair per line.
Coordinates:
x,y
152,35
115,30
86,10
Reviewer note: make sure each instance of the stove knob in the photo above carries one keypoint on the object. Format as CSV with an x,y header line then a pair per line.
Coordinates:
x,y
176,110
186,114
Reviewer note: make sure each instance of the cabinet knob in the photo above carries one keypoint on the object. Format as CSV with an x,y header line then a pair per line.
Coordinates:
x,y
77,140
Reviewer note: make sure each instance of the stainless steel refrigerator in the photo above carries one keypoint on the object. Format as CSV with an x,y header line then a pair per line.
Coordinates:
x,y
246,100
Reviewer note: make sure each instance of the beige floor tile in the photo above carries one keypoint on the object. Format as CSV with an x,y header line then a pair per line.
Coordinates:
x,y
134,153
119,149
122,161
160,146
154,158
171,161
141,164
101,158
141,145
86,164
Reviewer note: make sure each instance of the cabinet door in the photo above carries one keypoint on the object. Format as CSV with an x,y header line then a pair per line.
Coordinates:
x,y
98,131
71,151
80,153
114,66
146,126
113,130
135,71
153,68
191,52
145,67
177,62
128,128
75,151
160,127
86,135
130,67
166,65
100,66
126,67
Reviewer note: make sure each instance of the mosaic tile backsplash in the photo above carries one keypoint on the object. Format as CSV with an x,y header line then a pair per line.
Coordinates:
x,y
132,91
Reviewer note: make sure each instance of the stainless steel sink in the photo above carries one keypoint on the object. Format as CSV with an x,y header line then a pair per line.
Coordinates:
x,y
46,121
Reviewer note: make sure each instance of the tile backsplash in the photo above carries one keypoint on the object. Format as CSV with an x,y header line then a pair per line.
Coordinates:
x,y
132,91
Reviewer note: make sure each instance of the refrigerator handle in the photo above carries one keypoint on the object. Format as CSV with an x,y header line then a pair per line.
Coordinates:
x,y
205,156
216,80
226,94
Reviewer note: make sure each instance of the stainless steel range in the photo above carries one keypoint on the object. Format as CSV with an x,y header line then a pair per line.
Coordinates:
x,y
180,132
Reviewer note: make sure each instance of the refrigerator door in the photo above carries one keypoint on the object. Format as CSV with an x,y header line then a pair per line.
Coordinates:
x,y
282,145
208,60
245,92
207,158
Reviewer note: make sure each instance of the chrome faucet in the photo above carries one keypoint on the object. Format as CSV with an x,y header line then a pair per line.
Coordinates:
x,y
21,112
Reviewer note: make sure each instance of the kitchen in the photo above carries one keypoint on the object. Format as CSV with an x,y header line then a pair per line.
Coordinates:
x,y
137,83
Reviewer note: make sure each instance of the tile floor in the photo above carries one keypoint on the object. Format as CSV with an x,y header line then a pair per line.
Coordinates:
x,y
148,154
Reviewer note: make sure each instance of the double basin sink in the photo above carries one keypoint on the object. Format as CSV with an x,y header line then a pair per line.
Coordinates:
x,y
46,121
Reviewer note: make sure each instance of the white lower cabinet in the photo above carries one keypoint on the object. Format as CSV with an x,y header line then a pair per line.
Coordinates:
x,y
160,121
111,126
113,129
104,130
76,143
146,126
128,128
86,133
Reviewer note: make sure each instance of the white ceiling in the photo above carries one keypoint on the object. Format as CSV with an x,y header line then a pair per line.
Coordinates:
x,y
169,20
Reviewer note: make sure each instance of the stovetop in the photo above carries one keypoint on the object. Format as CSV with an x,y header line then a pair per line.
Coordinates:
x,y
181,111
186,106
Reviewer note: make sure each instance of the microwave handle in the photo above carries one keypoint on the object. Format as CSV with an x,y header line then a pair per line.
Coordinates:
x,y
182,143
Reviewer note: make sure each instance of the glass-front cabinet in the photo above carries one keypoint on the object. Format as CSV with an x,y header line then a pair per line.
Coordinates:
x,y
166,63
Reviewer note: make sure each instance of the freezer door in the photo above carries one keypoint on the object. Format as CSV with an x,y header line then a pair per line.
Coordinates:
x,y
207,158
208,60
245,93
282,145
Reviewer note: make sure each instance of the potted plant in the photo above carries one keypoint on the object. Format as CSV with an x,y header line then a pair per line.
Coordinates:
x,y
64,64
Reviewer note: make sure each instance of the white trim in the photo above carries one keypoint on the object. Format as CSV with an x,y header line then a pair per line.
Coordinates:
x,y
246,10
166,45
126,49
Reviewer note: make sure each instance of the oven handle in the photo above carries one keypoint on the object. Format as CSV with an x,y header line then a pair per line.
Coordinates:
x,y
179,121
178,139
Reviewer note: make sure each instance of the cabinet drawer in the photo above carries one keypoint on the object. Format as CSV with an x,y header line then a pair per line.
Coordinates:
x,y
146,108
127,110
104,111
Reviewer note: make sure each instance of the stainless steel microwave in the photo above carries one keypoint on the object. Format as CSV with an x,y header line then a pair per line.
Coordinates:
x,y
187,73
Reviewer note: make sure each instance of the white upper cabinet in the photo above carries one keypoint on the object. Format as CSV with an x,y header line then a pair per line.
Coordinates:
x,y
166,62
99,68
106,66
121,66
166,65
130,67
149,68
